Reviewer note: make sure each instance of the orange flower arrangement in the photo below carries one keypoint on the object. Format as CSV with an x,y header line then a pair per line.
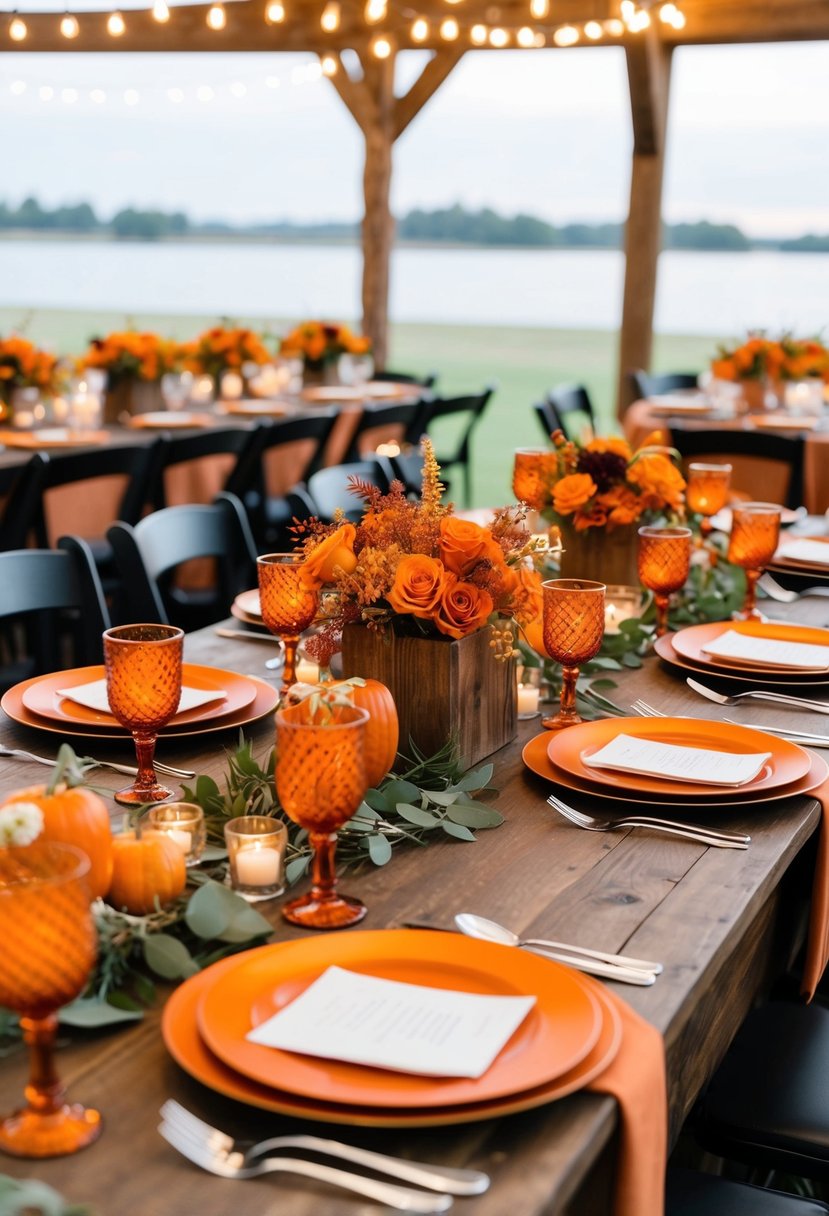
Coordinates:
x,y
24,365
606,484
320,342
784,358
141,356
222,349
418,568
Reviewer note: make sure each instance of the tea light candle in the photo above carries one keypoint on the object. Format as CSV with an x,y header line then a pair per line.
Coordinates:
x,y
621,604
258,866
307,671
232,386
183,823
256,847
804,396
180,838
528,699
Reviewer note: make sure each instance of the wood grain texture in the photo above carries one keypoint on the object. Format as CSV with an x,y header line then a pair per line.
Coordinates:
x,y
722,922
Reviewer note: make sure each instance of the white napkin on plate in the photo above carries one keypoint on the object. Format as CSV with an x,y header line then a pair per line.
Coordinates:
x,y
677,763
809,552
94,696
734,647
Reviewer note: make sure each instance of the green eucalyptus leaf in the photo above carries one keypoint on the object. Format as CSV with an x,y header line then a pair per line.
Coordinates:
x,y
474,815
397,790
213,852
210,910
92,1012
378,801
366,811
168,957
414,814
296,867
444,797
478,779
246,923
457,830
379,849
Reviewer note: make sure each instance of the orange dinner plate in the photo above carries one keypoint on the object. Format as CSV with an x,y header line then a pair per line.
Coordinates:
x,y
169,420
664,647
42,697
690,643
795,565
264,702
536,759
556,1035
53,437
568,749
180,1032
248,602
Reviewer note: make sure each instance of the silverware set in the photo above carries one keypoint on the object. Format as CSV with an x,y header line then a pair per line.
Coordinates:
x,y
777,698
218,1153
89,762
804,738
783,596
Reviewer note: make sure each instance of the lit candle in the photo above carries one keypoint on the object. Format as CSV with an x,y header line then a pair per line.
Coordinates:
x,y
232,386
307,672
621,604
258,866
181,839
183,823
528,699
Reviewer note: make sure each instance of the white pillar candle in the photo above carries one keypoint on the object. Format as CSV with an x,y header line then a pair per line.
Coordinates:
x,y
232,386
528,698
181,838
258,866
307,672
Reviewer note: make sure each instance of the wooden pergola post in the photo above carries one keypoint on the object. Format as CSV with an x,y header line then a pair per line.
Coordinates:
x,y
649,75
382,118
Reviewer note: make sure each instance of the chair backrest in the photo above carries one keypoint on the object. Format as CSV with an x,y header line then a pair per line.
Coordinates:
x,y
427,381
768,467
180,450
21,487
148,554
645,384
57,596
457,450
135,463
548,418
399,421
573,408
330,488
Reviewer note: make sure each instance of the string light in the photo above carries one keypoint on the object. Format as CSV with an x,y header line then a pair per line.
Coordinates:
x,y
69,96
566,35
329,65
271,82
525,36
205,93
449,29
380,47
669,14
375,10
640,20
17,29
131,97
161,12
498,37
175,95
419,30
679,20
46,92
238,89
216,17
69,26
98,96
330,19
593,30
478,35
540,9
627,10
116,25
614,27
275,12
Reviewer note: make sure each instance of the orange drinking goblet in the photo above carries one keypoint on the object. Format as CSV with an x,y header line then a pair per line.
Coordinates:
x,y
320,779
143,669
706,491
573,630
48,951
755,532
664,559
288,604
532,474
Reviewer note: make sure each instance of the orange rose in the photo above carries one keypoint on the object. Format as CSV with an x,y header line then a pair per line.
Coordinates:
x,y
463,543
534,633
335,552
659,480
419,582
612,443
463,608
573,492
528,597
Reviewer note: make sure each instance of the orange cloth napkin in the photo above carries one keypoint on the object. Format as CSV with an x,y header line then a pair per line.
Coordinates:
x,y
817,945
636,1079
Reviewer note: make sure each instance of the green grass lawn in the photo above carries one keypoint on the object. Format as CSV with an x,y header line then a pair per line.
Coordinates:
x,y
524,363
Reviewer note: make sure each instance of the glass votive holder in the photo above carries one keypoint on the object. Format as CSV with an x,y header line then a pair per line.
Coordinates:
x,y
804,396
183,823
622,604
256,847
528,693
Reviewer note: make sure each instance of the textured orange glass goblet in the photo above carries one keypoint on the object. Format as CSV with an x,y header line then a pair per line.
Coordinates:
x,y
532,474
755,532
320,779
706,491
48,949
573,630
664,559
143,669
288,604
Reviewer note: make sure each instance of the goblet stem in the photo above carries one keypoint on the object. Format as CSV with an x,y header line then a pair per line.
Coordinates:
x,y
661,602
749,610
289,670
323,907
46,1126
145,788
567,714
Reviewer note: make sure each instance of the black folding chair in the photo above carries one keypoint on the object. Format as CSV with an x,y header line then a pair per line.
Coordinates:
x,y
330,488
403,417
569,408
389,377
149,554
21,488
185,449
647,384
458,452
753,447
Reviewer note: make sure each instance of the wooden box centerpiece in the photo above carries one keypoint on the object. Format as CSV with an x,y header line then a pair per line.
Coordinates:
x,y
443,688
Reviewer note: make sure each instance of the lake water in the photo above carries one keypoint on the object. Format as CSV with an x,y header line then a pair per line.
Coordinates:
x,y
706,293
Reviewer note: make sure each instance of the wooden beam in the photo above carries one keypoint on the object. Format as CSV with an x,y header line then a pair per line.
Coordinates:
x,y
357,96
649,74
428,82
378,223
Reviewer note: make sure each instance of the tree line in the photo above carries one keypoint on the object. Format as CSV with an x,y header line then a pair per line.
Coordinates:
x,y
449,225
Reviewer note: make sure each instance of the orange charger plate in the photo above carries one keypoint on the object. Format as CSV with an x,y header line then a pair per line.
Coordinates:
x,y
556,1035
180,1033
690,643
794,565
664,647
536,759
53,437
568,748
265,701
42,696
169,420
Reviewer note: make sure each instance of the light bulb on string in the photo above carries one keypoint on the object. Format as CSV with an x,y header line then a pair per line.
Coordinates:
x,y
449,29
627,10
498,37
478,35
566,35
46,92
539,9
69,26
380,47
216,17
330,19
98,96
525,36
131,97
116,25
161,12
329,65
593,30
614,27
69,96
420,30
17,87
678,20
18,29
375,10
275,12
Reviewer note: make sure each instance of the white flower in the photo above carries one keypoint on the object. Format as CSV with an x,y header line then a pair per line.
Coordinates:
x,y
20,823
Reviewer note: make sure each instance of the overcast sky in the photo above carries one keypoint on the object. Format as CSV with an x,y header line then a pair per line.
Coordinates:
x,y
546,132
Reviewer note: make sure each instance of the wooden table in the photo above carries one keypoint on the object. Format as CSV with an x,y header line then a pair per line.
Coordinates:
x,y
723,923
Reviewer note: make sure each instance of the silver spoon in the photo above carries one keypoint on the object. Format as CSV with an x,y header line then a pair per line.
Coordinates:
x,y
491,931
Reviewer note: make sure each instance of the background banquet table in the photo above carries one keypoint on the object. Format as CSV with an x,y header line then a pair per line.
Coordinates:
x,y
759,481
723,922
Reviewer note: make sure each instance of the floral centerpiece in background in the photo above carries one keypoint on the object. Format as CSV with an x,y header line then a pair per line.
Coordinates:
x,y
23,366
320,343
134,364
762,364
221,349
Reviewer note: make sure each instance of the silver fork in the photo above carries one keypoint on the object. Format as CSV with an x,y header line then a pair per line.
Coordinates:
x,y
777,698
782,594
435,1177
127,769
690,831
233,1166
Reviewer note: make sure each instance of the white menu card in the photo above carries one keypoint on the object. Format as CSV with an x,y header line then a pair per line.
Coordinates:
x,y
403,1027
677,763
94,696
809,552
732,646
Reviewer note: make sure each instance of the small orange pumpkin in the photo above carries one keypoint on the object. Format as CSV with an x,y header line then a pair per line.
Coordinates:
x,y
75,816
145,867
382,729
